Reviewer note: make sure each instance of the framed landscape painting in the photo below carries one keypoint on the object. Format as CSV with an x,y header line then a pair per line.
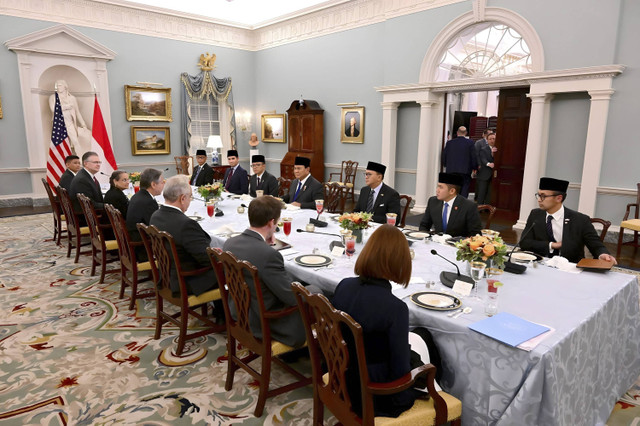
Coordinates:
x,y
147,103
273,128
150,140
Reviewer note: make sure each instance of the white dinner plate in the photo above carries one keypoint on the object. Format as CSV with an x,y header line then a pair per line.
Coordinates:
x,y
417,235
313,260
523,256
436,301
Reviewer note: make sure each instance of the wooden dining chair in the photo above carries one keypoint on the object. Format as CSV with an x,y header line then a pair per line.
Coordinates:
x,y
405,205
330,354
334,197
284,185
75,232
632,224
231,274
183,164
492,212
347,177
605,226
130,268
162,253
100,246
58,215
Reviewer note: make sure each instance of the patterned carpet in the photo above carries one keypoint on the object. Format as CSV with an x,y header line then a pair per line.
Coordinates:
x,y
72,353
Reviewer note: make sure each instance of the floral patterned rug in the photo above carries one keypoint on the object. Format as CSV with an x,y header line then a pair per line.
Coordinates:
x,y
71,352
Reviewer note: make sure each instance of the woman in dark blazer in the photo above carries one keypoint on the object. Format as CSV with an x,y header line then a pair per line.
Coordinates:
x,y
119,181
384,318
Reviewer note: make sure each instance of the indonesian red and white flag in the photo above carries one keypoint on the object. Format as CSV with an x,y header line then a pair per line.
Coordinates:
x,y
59,148
101,145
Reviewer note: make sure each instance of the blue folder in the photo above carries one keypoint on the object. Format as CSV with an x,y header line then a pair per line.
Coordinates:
x,y
508,328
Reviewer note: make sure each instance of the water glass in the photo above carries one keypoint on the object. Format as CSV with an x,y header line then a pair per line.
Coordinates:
x,y
477,273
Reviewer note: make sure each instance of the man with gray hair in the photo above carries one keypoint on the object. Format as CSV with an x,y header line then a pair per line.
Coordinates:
x,y
142,205
190,239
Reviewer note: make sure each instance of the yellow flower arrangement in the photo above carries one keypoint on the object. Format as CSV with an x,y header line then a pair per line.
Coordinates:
x,y
134,177
210,190
353,221
481,248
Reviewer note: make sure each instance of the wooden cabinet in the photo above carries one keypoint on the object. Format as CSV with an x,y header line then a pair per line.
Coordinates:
x,y
305,138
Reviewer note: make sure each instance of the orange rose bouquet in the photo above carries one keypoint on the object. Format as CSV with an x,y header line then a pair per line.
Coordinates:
x,y
354,221
481,248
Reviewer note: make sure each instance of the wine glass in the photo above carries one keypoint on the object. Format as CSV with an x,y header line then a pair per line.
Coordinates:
x,y
477,272
319,206
391,219
350,245
286,226
211,208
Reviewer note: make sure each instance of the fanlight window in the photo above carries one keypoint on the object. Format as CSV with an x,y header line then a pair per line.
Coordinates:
x,y
488,49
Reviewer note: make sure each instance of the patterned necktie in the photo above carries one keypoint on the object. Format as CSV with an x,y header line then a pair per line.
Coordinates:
x,y
229,179
550,229
444,217
295,196
370,202
195,178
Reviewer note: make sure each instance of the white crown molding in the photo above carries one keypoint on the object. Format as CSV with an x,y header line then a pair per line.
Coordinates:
x,y
119,15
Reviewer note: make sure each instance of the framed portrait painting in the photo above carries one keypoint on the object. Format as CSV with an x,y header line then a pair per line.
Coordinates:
x,y
352,125
274,128
147,103
150,140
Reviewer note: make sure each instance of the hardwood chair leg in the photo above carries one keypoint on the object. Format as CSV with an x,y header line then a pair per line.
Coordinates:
x,y
265,377
231,352
156,336
184,321
103,266
78,241
93,261
69,246
620,238
123,275
134,290
318,410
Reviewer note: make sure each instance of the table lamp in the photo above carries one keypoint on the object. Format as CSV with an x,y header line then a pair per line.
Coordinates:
x,y
215,142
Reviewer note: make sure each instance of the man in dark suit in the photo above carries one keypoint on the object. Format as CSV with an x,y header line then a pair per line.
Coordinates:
x,y
557,230
85,182
459,157
377,197
190,239
73,167
305,189
236,179
142,205
351,130
261,179
202,173
253,245
485,172
450,213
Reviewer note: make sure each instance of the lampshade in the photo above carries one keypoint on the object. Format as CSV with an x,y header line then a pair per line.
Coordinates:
x,y
215,141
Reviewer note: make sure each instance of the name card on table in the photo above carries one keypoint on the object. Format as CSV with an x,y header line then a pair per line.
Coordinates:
x,y
462,288
337,251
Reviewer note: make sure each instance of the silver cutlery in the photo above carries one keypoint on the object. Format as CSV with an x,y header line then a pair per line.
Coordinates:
x,y
457,311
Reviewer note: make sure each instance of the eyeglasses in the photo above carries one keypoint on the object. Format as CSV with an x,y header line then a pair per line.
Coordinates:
x,y
95,162
256,165
368,174
541,197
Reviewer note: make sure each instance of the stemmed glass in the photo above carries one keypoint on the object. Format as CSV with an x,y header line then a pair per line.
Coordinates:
x,y
391,219
211,208
286,226
477,273
350,245
319,207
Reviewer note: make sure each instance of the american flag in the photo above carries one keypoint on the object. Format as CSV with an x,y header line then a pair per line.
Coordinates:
x,y
59,147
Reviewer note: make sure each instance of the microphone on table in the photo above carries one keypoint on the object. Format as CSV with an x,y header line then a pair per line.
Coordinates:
x,y
514,268
316,232
449,278
317,222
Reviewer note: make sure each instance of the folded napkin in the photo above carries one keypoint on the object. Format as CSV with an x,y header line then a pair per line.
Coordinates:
x,y
291,207
563,264
440,239
288,252
226,229
246,197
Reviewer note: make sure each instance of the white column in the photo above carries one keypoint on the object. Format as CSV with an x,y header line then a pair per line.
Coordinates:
x,y
536,157
427,164
481,104
594,147
389,137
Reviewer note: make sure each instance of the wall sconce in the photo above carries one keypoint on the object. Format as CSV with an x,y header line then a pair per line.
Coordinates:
x,y
243,120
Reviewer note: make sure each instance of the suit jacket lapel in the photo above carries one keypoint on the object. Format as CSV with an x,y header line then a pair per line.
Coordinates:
x,y
454,211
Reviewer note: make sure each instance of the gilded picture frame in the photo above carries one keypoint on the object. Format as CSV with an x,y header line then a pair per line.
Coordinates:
x,y
147,103
347,133
150,140
274,128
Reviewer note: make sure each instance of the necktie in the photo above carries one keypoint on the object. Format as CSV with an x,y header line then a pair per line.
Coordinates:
x,y
229,179
444,217
96,182
295,196
258,182
195,178
550,229
370,202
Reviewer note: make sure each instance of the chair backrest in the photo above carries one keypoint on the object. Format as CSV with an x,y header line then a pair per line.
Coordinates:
x,y
328,346
605,226
55,203
182,164
405,205
283,186
349,170
95,231
334,197
119,225
67,208
232,277
491,210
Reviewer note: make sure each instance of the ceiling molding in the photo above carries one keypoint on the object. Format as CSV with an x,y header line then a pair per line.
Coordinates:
x,y
114,15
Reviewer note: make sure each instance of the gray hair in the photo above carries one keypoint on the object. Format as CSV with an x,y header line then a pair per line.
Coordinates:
x,y
175,187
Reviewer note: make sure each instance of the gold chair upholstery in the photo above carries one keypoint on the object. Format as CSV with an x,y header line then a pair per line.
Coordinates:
x,y
347,177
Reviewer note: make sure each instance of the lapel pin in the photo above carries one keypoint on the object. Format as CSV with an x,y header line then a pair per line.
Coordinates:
x,y
455,208
304,188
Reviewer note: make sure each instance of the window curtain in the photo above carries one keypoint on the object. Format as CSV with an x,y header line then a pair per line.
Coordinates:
x,y
206,84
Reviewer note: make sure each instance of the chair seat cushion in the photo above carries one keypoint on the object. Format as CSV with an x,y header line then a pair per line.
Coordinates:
x,y
111,245
63,217
144,266
349,185
84,230
633,224
278,348
208,296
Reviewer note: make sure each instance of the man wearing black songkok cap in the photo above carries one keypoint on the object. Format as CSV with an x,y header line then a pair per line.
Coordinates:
x,y
236,179
305,189
202,173
557,230
450,213
377,197
261,179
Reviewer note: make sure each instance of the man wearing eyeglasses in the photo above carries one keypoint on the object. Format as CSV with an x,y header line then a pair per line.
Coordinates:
x,y
261,179
559,231
86,182
377,197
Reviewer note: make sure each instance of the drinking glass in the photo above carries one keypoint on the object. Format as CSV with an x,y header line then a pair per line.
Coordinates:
x,y
286,225
136,187
477,273
350,246
391,219
259,192
319,206
211,208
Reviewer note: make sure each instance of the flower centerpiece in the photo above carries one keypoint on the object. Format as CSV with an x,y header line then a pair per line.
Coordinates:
x,y
211,190
134,178
483,249
355,222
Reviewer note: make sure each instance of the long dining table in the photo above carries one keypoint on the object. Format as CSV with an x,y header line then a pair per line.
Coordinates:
x,y
574,376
